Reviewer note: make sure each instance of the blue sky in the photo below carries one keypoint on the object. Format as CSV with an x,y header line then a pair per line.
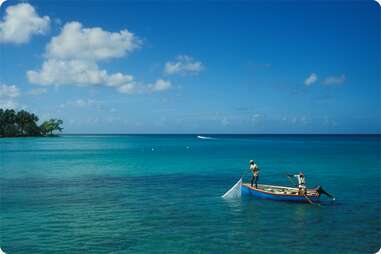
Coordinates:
x,y
249,67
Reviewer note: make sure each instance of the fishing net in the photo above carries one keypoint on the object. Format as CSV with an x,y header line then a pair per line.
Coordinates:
x,y
234,191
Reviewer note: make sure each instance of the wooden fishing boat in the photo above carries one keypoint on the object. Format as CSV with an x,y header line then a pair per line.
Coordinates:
x,y
282,193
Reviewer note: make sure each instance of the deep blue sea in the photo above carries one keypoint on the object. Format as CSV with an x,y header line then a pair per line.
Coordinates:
x,y
161,194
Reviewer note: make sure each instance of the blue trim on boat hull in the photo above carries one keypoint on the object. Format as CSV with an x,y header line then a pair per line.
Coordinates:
x,y
245,190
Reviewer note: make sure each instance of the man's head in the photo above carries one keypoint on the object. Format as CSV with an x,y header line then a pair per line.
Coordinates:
x,y
251,162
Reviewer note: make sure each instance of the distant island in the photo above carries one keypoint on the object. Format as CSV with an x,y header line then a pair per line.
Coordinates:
x,y
24,124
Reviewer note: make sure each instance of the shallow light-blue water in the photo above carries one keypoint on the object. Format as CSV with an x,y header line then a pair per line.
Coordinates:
x,y
161,194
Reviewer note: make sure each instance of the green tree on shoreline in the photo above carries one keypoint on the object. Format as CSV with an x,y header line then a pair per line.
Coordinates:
x,y
27,123
48,127
24,124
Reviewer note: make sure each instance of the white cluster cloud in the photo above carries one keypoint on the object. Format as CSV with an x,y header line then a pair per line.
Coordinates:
x,y
72,57
312,78
8,104
80,103
75,72
158,86
334,80
8,93
20,23
183,65
300,120
77,42
225,121
84,104
329,122
37,91
256,118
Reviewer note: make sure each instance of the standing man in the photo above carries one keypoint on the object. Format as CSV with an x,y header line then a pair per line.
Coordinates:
x,y
301,183
255,170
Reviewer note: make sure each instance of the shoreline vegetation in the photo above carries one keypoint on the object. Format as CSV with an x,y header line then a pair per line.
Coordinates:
x,y
25,124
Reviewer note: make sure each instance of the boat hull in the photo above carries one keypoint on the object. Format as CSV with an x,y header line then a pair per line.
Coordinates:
x,y
265,192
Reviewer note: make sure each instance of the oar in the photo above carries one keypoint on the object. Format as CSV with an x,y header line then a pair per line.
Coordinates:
x,y
308,199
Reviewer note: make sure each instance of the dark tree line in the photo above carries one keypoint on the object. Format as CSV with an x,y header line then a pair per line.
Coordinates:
x,y
24,124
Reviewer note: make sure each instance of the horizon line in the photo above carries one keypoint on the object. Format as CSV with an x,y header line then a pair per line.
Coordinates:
x,y
220,134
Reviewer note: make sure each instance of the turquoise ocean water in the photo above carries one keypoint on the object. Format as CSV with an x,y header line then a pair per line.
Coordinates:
x,y
161,194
